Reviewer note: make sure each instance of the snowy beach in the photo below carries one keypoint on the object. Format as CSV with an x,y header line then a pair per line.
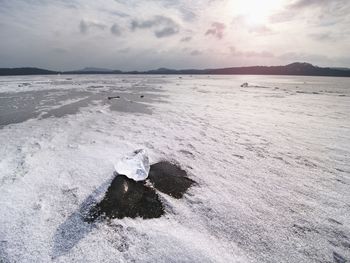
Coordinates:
x,y
271,161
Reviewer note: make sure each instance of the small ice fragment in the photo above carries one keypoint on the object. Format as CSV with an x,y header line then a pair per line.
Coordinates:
x,y
134,166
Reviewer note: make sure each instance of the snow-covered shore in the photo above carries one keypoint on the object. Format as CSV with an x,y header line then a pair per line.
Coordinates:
x,y
272,163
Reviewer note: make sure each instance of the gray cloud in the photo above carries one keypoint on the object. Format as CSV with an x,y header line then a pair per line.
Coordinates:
x,y
166,31
187,12
195,53
124,50
186,39
306,3
326,12
39,33
85,26
59,50
263,54
115,30
119,14
327,8
322,36
188,15
299,4
217,30
250,54
163,26
155,21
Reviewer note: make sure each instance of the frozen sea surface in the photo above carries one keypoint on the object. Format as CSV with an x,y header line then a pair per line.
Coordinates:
x,y
272,163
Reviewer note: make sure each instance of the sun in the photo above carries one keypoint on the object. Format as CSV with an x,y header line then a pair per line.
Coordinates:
x,y
255,12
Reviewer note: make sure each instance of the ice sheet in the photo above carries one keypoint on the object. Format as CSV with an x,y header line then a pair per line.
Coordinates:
x,y
272,166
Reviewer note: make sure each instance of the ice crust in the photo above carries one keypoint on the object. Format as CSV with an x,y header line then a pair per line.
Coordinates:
x,y
134,166
272,163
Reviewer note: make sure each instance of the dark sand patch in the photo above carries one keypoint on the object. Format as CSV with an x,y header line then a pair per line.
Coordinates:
x,y
128,198
169,179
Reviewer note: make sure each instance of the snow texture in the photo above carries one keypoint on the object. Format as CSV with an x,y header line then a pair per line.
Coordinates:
x,y
271,162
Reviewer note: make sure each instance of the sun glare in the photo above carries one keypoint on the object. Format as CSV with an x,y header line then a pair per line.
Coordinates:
x,y
255,11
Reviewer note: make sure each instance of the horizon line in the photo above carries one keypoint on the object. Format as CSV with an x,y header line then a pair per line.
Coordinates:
x,y
103,69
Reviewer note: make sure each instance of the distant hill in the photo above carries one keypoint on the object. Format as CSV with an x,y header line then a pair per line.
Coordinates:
x,y
346,69
25,71
96,69
303,69
93,70
165,71
297,69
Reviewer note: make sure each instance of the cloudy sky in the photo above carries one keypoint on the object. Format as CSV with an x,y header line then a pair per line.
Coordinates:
x,y
140,34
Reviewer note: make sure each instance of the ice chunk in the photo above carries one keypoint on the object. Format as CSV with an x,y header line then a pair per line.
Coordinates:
x,y
134,166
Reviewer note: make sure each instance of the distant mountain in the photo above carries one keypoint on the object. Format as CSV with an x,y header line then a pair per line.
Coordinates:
x,y
297,68
174,71
95,69
346,69
92,70
25,71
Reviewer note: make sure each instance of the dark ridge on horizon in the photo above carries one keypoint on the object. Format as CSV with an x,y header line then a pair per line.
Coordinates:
x,y
294,69
25,71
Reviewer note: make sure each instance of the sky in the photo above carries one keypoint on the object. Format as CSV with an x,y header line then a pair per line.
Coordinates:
x,y
141,35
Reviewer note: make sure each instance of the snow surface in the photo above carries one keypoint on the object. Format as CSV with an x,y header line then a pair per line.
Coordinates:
x,y
272,162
